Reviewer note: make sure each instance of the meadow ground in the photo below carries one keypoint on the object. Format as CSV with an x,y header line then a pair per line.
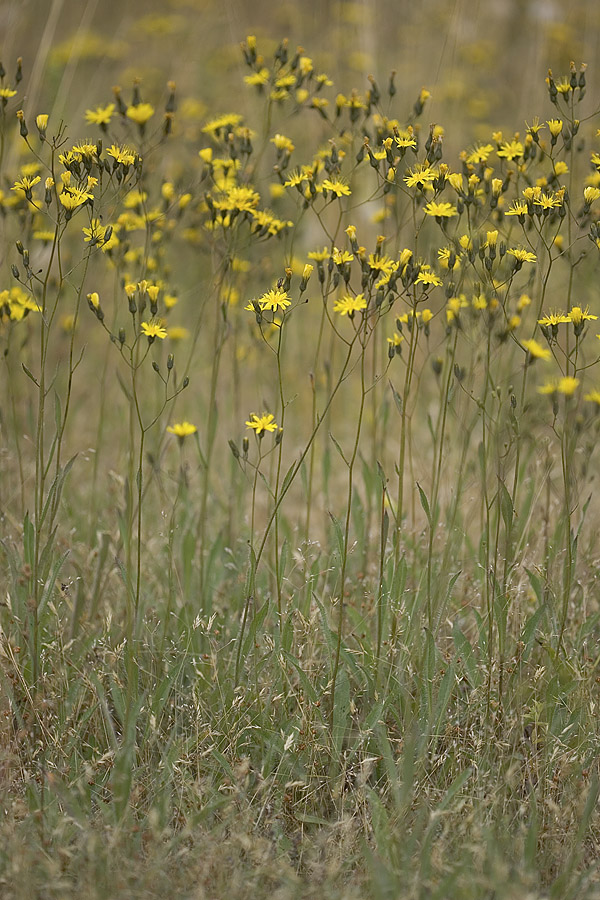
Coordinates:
x,y
301,395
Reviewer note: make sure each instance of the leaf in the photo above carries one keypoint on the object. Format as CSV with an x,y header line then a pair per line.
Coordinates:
x,y
30,374
424,503
255,624
397,398
341,710
506,506
339,449
288,479
339,535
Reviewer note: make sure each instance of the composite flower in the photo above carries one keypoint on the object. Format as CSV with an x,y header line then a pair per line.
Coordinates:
x,y
522,255
182,429
348,305
535,350
441,210
337,187
567,385
262,424
154,329
100,116
274,300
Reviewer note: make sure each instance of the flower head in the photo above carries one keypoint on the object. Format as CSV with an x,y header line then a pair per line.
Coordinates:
x,y
274,300
441,210
262,424
337,187
348,305
566,385
154,329
536,351
182,429
522,255
100,116
141,113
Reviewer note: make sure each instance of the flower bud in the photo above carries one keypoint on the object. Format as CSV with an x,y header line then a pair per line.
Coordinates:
x,y
41,122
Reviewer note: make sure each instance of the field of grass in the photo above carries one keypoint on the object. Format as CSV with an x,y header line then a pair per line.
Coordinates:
x,y
298,503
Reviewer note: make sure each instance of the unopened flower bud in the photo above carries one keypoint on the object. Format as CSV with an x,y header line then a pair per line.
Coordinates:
x,y
24,131
41,122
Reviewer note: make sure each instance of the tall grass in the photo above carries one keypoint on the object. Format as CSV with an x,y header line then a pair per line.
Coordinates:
x,y
298,509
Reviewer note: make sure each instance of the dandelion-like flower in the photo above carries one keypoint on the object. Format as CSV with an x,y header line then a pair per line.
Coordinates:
x,y
262,424
522,255
517,208
100,116
536,351
553,319
274,300
426,277
154,329
141,113
420,176
337,187
182,429
441,210
567,385
348,305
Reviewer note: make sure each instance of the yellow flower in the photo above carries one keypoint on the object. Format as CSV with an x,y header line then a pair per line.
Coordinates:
x,y
426,277
522,256
536,351
479,154
510,150
262,424
552,319
182,429
122,155
154,329
319,255
420,176
518,208
100,116
228,121
177,333
26,184
282,143
274,300
95,233
593,397
339,256
348,305
141,113
336,187
441,210
566,385
258,78
555,126
578,315
94,299
72,198
548,201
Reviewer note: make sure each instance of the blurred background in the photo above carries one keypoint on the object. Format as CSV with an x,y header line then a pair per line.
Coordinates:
x,y
484,62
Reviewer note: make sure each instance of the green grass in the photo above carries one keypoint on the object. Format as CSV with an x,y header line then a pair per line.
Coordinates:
x,y
354,656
